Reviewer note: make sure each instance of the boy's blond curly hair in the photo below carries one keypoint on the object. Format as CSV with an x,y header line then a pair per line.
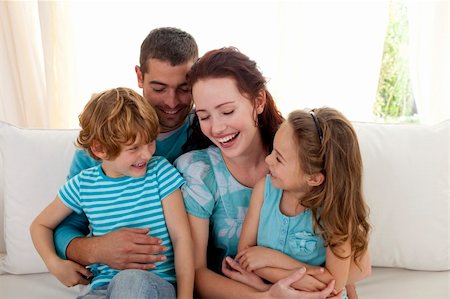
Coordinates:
x,y
114,118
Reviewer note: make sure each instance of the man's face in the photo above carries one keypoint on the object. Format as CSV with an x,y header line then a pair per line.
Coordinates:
x,y
165,87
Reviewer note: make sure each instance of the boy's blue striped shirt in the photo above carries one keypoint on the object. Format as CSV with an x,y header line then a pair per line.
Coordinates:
x,y
113,203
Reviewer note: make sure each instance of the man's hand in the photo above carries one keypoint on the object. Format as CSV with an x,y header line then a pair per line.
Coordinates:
x,y
125,248
283,289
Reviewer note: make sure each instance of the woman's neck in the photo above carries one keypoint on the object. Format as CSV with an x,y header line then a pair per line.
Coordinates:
x,y
248,168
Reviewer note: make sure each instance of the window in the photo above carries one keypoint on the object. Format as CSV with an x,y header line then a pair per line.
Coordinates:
x,y
395,99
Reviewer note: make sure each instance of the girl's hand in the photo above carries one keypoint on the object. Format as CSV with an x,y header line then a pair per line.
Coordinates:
x,y
233,270
255,257
69,273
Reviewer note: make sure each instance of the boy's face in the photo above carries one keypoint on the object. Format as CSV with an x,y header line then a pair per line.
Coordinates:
x,y
165,87
132,160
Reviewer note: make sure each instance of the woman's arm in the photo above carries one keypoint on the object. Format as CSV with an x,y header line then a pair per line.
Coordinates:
x,y
41,229
282,288
209,284
180,235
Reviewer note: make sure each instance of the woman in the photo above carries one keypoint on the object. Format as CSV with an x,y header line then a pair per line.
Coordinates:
x,y
238,115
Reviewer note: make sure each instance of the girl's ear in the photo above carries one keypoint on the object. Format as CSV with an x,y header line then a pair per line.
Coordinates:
x,y
260,102
98,150
315,179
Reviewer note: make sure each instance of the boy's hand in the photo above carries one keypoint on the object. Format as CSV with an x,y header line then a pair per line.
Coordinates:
x,y
69,273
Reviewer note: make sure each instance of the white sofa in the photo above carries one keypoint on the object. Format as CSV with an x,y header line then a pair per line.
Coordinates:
x,y
406,184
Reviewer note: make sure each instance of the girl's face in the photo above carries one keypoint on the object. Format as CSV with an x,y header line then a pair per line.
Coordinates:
x,y
226,117
132,160
284,162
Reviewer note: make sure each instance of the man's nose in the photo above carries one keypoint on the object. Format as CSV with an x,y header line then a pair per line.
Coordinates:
x,y
171,100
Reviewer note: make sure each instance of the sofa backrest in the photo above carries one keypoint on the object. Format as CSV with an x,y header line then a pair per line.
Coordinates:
x,y
34,163
406,185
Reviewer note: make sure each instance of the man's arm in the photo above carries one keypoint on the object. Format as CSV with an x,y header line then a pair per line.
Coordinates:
x,y
74,226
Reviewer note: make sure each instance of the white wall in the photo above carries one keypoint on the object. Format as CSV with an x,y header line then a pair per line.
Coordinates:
x,y
314,53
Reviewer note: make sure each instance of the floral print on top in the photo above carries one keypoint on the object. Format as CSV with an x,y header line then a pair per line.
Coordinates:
x,y
211,192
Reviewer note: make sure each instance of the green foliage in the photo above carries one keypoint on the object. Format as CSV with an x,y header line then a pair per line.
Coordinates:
x,y
395,101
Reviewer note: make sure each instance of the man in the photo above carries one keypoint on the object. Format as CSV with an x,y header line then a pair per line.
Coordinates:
x,y
166,56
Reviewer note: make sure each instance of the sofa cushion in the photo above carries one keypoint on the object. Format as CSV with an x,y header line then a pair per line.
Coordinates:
x,y
407,187
406,184
35,164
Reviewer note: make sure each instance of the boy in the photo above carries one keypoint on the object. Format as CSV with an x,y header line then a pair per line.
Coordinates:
x,y
129,188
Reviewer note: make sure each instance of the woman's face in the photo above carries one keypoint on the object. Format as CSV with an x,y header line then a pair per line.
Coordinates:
x,y
226,116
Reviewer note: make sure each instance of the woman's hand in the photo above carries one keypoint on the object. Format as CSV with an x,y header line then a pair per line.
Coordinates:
x,y
233,270
283,289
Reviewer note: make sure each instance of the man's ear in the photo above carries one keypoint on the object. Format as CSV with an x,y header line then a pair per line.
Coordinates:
x,y
140,76
260,102
98,150
315,179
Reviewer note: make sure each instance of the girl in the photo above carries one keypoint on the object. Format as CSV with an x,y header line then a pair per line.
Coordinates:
x,y
310,209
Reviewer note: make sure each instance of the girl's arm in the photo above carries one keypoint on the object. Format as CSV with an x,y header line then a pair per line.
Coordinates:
x,y
345,271
41,229
337,268
180,234
249,230
362,270
258,257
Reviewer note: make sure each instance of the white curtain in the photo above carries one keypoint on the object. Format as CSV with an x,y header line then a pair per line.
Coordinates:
x,y
36,74
429,23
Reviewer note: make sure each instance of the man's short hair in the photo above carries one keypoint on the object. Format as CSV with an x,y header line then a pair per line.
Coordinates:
x,y
168,44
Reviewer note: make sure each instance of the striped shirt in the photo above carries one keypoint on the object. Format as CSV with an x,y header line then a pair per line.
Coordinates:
x,y
113,203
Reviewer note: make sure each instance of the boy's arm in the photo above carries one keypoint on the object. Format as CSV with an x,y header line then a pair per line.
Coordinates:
x,y
180,235
41,231
249,230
